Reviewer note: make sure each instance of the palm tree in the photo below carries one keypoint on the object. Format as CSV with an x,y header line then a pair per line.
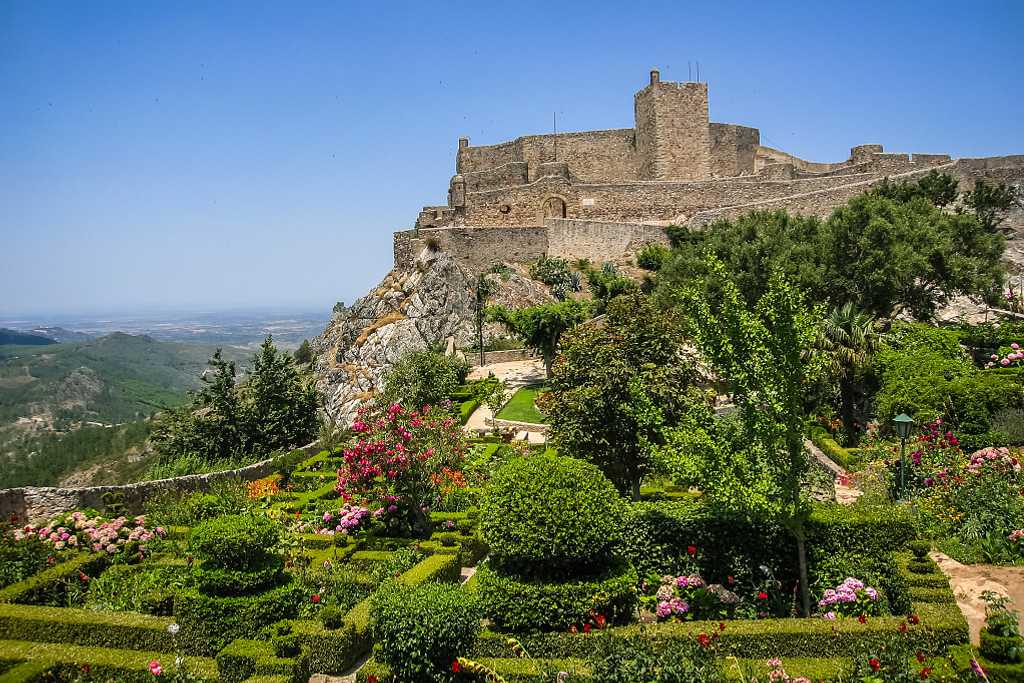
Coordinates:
x,y
848,341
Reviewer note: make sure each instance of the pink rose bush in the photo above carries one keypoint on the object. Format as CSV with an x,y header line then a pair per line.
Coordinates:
x,y
851,598
394,465
121,537
1012,356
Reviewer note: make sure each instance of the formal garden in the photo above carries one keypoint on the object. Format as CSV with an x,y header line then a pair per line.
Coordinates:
x,y
675,527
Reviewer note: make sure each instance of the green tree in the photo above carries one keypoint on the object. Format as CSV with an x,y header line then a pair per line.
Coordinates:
x,y
941,189
617,386
606,283
420,378
304,354
848,341
485,288
991,203
280,404
541,327
885,255
761,351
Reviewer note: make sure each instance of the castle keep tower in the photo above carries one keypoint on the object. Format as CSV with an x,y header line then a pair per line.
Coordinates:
x,y
673,140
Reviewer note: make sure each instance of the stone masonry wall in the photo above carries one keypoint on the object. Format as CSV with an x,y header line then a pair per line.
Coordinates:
x,y
673,131
599,241
477,249
37,504
733,149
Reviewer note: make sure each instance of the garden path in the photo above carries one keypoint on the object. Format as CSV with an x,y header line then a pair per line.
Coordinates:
x,y
515,374
845,493
969,581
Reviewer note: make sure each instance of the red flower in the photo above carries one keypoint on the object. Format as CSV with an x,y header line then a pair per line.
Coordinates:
x,y
875,664
315,598
903,627
861,618
704,640
586,628
920,657
692,550
721,626
83,577
600,619
729,580
925,673
371,679
762,595
456,667
914,619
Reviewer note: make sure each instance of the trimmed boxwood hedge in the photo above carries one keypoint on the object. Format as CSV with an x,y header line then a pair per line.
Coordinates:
x,y
119,630
208,622
1003,649
333,651
243,659
846,458
524,604
47,586
941,626
120,665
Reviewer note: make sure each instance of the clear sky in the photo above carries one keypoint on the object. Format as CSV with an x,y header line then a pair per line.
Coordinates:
x,y
256,154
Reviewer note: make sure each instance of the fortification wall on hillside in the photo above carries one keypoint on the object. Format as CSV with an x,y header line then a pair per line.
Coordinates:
x,y
733,149
598,240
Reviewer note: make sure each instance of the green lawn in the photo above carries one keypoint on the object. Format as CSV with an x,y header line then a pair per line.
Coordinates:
x,y
521,409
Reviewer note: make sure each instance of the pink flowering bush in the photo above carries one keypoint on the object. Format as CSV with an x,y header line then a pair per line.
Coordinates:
x,y
350,520
777,673
1011,356
851,598
395,464
687,597
121,538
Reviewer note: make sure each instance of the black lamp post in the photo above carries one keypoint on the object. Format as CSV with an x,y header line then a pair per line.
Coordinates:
x,y
903,424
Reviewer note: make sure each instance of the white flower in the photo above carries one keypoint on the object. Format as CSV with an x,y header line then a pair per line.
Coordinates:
x,y
173,629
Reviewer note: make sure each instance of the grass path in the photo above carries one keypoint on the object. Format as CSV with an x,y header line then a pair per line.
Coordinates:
x,y
521,408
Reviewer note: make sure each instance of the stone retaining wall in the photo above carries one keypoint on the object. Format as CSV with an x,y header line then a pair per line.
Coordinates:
x,y
508,356
38,504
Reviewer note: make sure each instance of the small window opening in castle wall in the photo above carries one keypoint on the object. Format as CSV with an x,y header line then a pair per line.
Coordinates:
x,y
553,207
587,201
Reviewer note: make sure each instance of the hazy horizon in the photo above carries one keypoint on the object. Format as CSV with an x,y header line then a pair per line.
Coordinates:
x,y
170,157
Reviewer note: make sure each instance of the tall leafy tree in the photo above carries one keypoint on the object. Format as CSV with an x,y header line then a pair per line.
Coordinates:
x,y
541,327
848,341
280,403
761,351
886,256
617,385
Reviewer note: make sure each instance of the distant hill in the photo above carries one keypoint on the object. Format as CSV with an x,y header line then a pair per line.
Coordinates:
x,y
110,379
61,335
9,337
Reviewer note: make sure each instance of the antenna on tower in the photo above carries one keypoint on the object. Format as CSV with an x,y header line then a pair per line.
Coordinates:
x,y
698,72
689,71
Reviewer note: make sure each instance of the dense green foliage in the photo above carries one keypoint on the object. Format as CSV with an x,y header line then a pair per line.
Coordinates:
x,y
420,631
556,273
606,283
275,408
529,603
617,385
56,454
422,378
541,327
549,513
652,256
848,341
885,251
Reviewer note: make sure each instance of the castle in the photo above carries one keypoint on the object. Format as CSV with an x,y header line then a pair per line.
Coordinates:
x,y
603,194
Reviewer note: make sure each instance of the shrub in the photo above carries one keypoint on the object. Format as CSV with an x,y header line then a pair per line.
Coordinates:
x,y
652,256
236,543
616,660
421,378
919,548
208,622
525,603
546,513
420,631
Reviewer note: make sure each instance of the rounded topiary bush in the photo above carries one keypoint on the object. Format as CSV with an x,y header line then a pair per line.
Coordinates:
x,y
420,631
546,513
1005,649
518,603
235,541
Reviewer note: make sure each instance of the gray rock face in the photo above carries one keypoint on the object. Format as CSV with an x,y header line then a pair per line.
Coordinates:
x,y
406,311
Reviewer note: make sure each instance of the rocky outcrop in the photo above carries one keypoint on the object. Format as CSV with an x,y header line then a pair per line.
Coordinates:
x,y
408,310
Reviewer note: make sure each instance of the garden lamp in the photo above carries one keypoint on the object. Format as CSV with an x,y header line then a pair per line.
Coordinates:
x,y
903,423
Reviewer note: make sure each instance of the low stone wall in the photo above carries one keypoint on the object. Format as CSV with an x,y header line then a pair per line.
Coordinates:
x,y
38,504
509,356
520,426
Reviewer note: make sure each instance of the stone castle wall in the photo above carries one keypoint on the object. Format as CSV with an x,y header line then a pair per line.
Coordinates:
x,y
733,149
599,241
39,504
673,136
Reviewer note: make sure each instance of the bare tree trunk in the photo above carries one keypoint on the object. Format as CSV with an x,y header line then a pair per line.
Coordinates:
x,y
801,558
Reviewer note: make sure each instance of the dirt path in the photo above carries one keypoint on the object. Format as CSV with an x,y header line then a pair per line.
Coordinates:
x,y
969,581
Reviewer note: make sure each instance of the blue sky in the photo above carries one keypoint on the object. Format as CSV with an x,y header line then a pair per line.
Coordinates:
x,y
242,154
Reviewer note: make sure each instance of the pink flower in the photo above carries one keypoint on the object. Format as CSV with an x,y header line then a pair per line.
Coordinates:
x,y
155,668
